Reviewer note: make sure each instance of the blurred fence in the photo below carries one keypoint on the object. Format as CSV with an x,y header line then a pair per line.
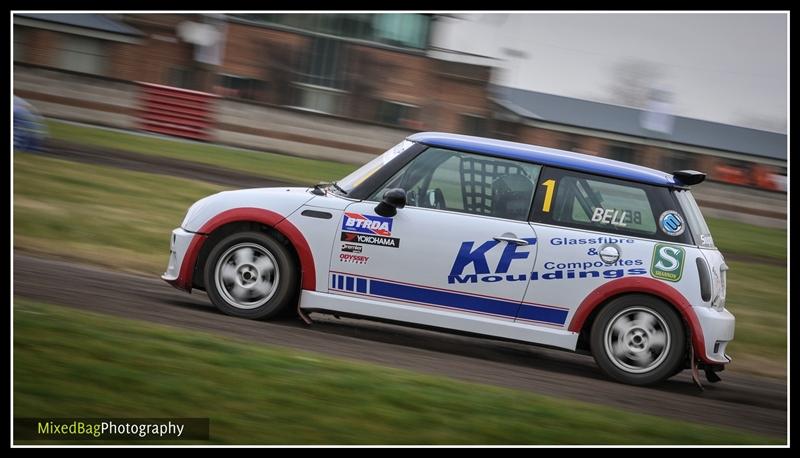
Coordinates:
x,y
179,112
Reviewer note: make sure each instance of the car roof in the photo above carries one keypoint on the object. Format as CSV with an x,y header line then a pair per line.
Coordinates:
x,y
547,156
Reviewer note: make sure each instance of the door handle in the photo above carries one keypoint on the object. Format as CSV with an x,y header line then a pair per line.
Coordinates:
x,y
515,241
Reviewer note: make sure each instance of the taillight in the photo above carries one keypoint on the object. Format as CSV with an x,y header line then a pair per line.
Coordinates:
x,y
719,300
705,279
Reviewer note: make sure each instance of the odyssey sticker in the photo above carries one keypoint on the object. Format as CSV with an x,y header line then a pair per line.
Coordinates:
x,y
671,223
354,258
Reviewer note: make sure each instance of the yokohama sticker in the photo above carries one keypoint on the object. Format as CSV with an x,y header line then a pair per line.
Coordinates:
x,y
352,237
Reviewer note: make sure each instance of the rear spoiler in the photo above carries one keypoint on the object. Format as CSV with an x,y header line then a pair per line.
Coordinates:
x,y
689,177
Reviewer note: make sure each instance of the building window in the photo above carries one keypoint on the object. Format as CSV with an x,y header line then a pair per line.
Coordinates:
x,y
320,80
406,30
81,54
506,130
678,160
239,87
319,99
472,124
398,113
20,39
568,142
180,77
325,63
621,153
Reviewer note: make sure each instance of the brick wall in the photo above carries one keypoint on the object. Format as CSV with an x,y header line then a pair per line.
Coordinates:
x,y
541,137
39,48
150,61
160,51
250,51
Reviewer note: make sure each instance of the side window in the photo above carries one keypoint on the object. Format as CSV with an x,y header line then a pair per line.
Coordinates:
x,y
603,204
598,203
468,183
447,177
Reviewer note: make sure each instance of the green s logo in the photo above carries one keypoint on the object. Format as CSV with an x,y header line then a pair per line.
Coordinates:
x,y
668,262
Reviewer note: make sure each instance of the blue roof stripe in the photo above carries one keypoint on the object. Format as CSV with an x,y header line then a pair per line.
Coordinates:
x,y
547,156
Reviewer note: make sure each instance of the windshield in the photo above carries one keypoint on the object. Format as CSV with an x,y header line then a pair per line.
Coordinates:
x,y
349,182
697,224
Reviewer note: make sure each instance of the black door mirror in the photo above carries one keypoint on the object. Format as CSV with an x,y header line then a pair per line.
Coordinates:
x,y
392,200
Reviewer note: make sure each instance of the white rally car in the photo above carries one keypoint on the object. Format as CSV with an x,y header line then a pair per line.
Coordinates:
x,y
484,237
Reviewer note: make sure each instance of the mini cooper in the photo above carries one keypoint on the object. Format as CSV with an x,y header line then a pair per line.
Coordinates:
x,y
483,237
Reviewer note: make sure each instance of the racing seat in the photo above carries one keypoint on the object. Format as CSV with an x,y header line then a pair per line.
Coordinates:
x,y
511,196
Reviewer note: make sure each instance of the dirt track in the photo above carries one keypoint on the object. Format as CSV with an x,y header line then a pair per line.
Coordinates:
x,y
742,401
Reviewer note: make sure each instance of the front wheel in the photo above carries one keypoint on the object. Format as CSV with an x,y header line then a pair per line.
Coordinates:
x,y
638,339
250,275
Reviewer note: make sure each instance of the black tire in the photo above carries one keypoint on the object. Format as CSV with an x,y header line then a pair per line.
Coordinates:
x,y
643,316
251,275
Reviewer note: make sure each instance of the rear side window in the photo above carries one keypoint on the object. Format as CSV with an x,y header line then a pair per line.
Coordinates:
x,y
583,201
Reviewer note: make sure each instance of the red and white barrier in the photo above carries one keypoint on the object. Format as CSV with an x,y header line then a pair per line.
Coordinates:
x,y
178,112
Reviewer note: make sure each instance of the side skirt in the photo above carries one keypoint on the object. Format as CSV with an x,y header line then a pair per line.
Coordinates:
x,y
506,329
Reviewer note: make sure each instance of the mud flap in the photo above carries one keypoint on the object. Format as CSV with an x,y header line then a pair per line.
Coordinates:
x,y
712,376
695,371
303,315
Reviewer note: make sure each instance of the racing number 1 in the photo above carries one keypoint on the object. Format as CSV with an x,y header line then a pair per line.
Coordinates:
x,y
548,197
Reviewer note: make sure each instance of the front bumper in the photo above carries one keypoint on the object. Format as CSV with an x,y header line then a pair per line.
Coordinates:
x,y
179,245
717,327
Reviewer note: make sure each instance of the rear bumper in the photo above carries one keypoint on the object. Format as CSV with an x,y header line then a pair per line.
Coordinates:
x,y
717,327
179,245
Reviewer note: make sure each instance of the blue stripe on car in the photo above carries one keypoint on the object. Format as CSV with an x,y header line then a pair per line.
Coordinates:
x,y
467,302
455,300
361,285
545,314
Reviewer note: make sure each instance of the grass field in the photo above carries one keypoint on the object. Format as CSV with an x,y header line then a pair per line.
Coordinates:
x,y
70,363
122,219
104,215
757,297
288,168
733,237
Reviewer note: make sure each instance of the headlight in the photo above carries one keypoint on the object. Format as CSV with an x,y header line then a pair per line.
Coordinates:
x,y
720,286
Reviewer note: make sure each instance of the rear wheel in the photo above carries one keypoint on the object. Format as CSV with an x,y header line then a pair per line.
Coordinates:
x,y
250,275
638,339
